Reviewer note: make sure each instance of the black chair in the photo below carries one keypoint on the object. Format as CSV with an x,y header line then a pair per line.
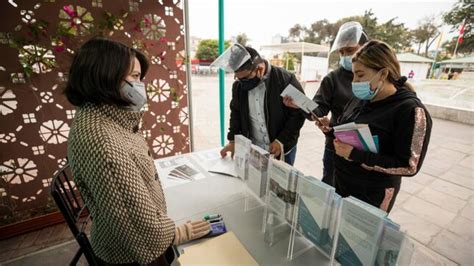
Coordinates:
x,y
75,212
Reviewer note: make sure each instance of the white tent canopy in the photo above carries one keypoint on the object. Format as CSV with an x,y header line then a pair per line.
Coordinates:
x,y
296,47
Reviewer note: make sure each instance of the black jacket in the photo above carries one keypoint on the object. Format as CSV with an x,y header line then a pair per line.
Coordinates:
x,y
332,96
334,93
403,126
283,123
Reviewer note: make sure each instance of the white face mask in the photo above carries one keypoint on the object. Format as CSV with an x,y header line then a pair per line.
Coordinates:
x,y
135,92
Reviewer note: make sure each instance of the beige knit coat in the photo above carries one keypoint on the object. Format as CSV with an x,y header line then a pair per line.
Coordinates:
x,y
115,174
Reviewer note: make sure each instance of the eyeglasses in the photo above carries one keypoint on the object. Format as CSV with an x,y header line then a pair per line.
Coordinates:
x,y
244,78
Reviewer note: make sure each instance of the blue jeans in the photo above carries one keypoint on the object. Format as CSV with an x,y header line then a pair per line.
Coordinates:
x,y
328,167
291,156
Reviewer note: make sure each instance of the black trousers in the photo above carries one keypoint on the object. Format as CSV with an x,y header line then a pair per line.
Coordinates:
x,y
164,259
328,167
382,197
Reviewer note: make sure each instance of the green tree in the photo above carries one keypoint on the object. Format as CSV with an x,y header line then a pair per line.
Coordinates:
x,y
426,33
461,11
391,32
320,31
395,34
289,61
296,32
323,31
417,37
242,39
209,49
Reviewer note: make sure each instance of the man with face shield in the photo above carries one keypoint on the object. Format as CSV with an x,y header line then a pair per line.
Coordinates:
x,y
335,89
257,110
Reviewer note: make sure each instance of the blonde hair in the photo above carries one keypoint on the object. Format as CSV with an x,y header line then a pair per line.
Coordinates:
x,y
378,55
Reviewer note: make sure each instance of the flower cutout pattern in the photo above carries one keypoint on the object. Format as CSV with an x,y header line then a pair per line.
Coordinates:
x,y
37,59
161,118
183,116
169,11
62,162
19,171
97,3
54,131
158,90
7,137
163,144
6,38
8,101
155,60
46,97
29,118
37,150
27,16
153,27
133,6
75,20
18,78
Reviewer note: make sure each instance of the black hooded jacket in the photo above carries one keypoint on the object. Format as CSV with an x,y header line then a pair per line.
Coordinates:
x,y
283,123
332,96
403,126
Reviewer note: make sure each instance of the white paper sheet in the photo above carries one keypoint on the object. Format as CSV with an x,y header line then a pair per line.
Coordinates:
x,y
301,100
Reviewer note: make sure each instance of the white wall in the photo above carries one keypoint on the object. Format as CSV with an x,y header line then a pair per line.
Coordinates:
x,y
420,69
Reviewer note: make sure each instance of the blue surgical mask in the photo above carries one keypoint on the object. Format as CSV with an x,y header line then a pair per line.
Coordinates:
x,y
346,62
362,89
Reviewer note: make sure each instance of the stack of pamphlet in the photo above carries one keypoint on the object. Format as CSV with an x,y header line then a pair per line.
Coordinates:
x,y
257,170
283,180
241,155
317,213
358,136
366,235
390,248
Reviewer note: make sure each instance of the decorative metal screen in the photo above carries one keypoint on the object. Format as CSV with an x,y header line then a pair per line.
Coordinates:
x,y
37,43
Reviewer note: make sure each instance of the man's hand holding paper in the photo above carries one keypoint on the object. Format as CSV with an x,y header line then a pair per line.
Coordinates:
x,y
295,98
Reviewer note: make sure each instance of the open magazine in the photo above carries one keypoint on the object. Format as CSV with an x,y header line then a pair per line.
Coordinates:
x,y
224,166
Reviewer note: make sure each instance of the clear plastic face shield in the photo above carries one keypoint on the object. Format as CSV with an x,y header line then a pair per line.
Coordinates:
x,y
348,36
232,58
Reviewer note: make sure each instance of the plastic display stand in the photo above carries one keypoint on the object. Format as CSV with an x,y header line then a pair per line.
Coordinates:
x,y
301,241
